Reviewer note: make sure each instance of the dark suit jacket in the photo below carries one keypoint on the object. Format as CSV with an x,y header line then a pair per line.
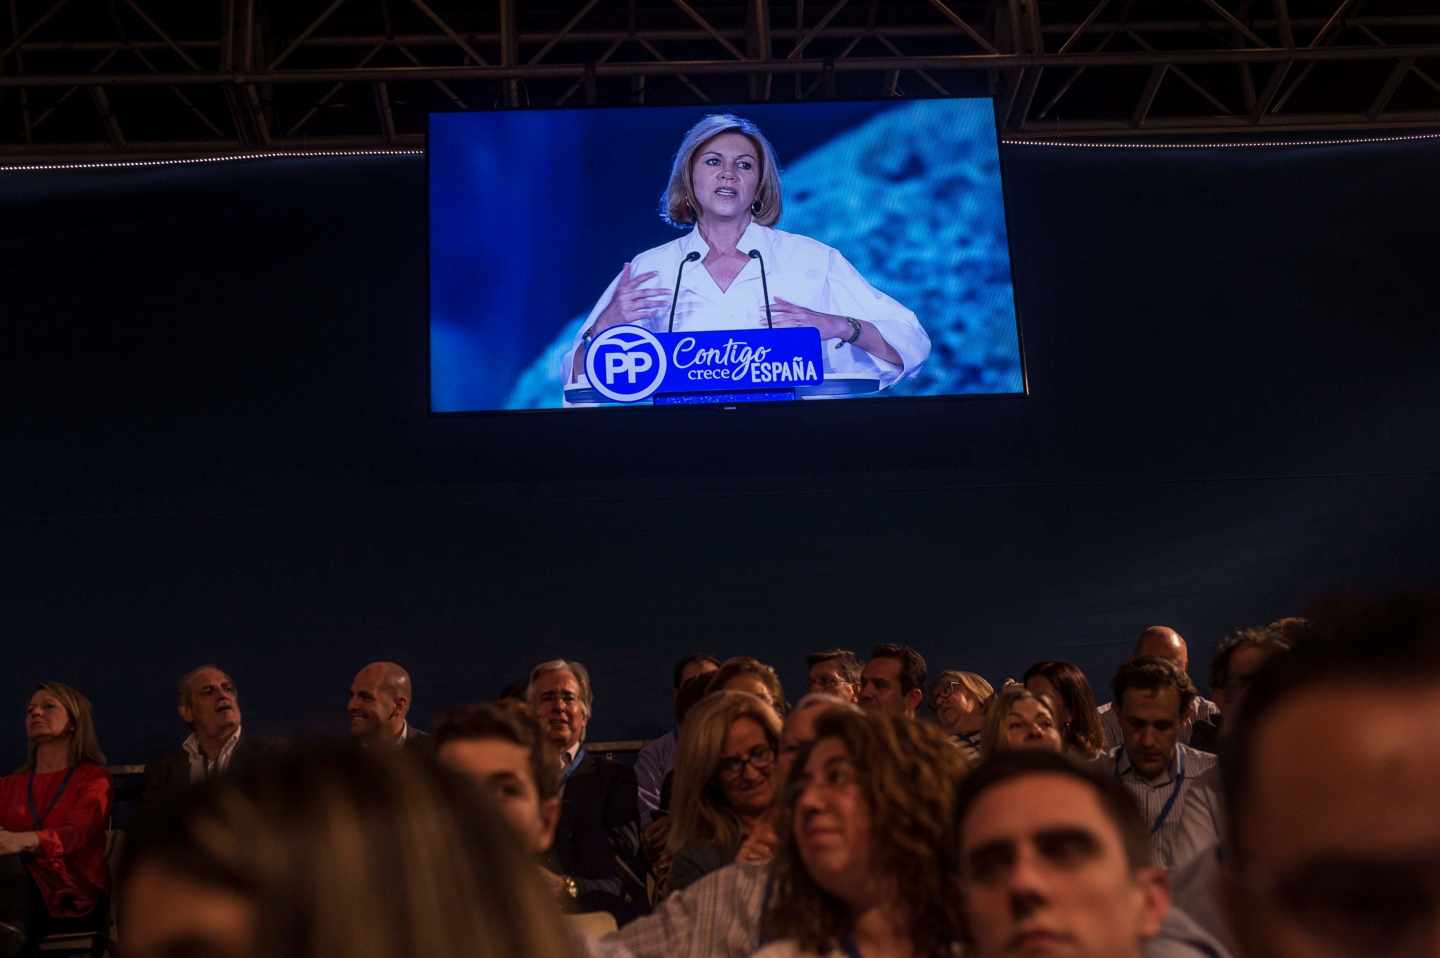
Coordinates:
x,y
597,841
169,775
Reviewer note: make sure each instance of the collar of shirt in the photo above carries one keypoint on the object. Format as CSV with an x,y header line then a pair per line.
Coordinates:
x,y
202,763
755,237
1124,767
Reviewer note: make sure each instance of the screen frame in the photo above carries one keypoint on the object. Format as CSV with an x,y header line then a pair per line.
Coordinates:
x,y
758,408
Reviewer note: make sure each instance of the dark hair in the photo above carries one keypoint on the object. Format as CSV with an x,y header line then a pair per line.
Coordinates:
x,y
691,691
912,664
1151,674
746,665
686,662
1257,637
1119,807
509,721
1392,642
849,662
1085,733
907,773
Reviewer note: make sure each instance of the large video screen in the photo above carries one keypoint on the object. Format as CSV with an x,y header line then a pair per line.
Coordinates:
x,y
643,256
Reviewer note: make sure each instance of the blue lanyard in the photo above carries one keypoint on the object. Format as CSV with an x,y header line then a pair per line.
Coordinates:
x,y
1174,792
574,764
37,817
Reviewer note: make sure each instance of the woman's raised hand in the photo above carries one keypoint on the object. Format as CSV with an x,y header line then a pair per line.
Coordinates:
x,y
631,304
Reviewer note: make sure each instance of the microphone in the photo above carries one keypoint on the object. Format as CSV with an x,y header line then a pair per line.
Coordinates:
x,y
691,257
764,287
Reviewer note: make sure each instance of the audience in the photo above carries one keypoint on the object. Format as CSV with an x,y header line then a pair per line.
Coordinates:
x,y
1163,642
1065,687
893,681
835,672
1331,780
379,702
361,853
655,837
657,758
54,812
1019,719
210,706
719,915
959,701
745,674
867,860
1054,859
725,782
595,859
1164,776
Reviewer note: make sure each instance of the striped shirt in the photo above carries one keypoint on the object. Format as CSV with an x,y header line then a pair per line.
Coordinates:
x,y
716,917
1192,823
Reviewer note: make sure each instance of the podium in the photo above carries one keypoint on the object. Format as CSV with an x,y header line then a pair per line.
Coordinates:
x,y
835,386
709,367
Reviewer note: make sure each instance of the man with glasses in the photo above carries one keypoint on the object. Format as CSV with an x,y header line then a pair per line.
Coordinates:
x,y
835,672
1241,655
595,862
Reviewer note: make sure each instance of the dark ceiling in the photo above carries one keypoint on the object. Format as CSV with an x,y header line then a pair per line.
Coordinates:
x,y
148,78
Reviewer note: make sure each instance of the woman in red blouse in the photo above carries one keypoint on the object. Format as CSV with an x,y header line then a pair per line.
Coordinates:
x,y
54,812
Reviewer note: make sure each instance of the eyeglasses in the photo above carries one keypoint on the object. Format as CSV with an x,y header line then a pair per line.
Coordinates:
x,y
759,758
828,682
564,698
947,690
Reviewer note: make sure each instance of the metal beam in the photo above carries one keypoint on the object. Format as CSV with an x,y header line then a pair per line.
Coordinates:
x,y
693,14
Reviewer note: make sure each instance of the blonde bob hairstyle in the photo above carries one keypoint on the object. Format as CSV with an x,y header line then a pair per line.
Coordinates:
x,y
992,735
84,741
699,813
678,205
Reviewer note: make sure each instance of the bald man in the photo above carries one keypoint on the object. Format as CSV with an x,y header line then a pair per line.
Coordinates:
x,y
1162,642
379,702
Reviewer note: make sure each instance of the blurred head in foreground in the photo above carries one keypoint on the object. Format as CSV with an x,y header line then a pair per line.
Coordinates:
x,y
321,853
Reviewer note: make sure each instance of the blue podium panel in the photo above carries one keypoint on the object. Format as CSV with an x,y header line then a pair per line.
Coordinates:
x,y
629,364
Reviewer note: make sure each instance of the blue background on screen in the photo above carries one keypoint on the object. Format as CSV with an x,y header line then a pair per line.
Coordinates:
x,y
533,213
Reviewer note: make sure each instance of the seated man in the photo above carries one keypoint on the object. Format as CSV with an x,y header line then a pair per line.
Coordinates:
x,y
1168,780
1162,642
657,758
893,680
1331,782
835,672
1055,860
595,857
379,703
210,705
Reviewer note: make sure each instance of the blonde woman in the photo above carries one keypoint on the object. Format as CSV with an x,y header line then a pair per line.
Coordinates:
x,y
54,812
725,189
317,854
725,782
959,700
1019,719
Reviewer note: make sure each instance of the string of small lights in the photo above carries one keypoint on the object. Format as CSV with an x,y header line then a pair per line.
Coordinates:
x,y
1007,141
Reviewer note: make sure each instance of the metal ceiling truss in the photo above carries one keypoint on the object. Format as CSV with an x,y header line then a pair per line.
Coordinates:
x,y
171,78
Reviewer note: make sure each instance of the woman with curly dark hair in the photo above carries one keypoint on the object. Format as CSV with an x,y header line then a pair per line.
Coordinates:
x,y
867,862
1066,689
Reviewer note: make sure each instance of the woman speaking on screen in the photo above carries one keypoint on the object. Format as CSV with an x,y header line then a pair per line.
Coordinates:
x,y
726,183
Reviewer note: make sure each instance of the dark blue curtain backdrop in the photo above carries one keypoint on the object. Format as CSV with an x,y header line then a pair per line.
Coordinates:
x,y
216,447
533,213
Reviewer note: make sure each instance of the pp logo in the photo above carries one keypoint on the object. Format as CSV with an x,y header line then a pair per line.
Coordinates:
x,y
625,363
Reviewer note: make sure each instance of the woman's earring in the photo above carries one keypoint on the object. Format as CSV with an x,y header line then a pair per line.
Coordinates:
x,y
755,207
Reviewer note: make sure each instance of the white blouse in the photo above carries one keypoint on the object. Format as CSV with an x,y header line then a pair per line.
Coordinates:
x,y
798,269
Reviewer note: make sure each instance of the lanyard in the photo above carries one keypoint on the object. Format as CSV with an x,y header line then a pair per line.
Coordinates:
x,y
1174,791
37,817
574,764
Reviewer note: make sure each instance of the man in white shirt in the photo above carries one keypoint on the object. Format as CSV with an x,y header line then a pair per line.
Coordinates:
x,y
1166,778
1163,642
209,705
